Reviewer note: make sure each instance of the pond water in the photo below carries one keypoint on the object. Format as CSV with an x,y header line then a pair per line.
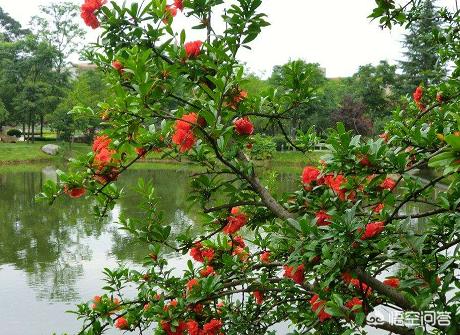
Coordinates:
x,y
51,257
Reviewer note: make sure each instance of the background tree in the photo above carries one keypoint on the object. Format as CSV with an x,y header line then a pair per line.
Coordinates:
x,y
352,114
3,114
88,89
57,25
10,29
422,63
307,80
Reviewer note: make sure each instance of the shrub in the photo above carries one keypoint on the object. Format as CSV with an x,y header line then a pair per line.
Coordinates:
x,y
281,143
263,147
315,257
14,132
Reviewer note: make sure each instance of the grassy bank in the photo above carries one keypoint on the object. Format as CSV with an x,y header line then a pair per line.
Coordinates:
x,y
25,153
18,153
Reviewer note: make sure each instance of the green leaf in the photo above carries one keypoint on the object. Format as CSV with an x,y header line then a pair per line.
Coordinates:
x,y
453,141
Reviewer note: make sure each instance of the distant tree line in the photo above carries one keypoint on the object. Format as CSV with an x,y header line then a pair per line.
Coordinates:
x,y
364,101
38,85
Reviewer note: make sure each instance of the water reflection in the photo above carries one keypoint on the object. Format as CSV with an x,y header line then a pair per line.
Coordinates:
x,y
51,257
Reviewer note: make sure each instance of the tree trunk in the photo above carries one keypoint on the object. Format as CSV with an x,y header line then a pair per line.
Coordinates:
x,y
28,129
33,131
42,120
24,130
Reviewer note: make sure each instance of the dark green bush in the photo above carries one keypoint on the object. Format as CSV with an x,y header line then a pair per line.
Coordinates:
x,y
281,143
14,132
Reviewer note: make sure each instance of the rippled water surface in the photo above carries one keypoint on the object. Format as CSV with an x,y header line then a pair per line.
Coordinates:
x,y
51,258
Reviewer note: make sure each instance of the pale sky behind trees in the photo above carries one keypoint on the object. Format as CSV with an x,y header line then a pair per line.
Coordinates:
x,y
335,33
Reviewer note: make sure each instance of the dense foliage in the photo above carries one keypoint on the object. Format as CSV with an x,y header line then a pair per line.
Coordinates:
x,y
362,231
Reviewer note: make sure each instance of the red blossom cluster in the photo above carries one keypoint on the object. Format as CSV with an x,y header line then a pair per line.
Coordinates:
x,y
207,271
88,12
121,323
236,98
418,95
179,4
74,192
393,282
311,175
201,254
193,49
265,257
372,229
235,221
178,330
359,285
192,327
117,65
322,218
103,158
336,183
213,327
259,297
170,12
295,273
318,306
237,241
388,184
350,304
243,126
192,283
183,135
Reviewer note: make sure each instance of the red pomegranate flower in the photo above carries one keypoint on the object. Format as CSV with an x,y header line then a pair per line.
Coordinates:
x,y
193,327
179,4
265,257
418,94
236,220
117,65
388,184
201,254
310,174
101,142
393,282
122,323
318,306
378,208
170,12
259,296
296,274
183,135
193,49
336,183
207,271
350,304
373,229
88,10
238,240
212,327
322,217
243,126
76,192
192,283
360,286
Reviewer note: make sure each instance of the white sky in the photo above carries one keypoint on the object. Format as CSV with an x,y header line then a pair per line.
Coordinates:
x,y
335,33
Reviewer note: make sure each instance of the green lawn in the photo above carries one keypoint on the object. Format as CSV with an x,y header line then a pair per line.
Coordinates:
x,y
28,152
11,153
